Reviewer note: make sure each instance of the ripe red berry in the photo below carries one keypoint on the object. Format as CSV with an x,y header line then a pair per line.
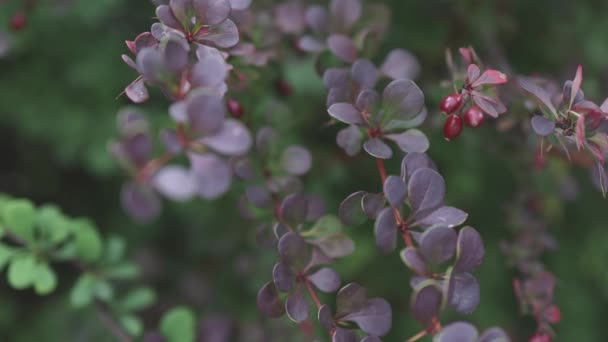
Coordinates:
x,y
235,108
540,337
283,87
452,127
474,117
18,21
553,314
451,103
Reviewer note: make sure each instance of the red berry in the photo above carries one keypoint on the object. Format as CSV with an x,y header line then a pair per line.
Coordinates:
x,y
540,337
284,88
18,21
235,108
452,127
451,103
474,117
553,314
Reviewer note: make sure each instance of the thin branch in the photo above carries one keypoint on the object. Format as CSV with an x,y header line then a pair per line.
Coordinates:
x,y
109,321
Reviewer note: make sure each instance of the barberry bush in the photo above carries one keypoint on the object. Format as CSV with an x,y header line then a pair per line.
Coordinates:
x,y
342,170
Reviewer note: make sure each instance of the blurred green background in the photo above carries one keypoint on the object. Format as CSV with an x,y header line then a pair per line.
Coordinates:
x,y
58,90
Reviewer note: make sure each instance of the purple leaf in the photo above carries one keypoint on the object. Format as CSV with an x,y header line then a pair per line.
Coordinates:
x,y
469,250
351,210
290,17
296,160
140,202
345,12
364,73
403,99
576,85
543,96
326,280
385,231
395,190
457,332
444,216
372,204
473,73
350,298
400,64
343,335
377,148
213,175
310,44
371,339
438,244
297,308
426,301
224,35
175,182
232,139
269,302
258,196
413,260
411,141
488,105
414,161
240,4
339,95
317,18
426,189
325,317
210,71
294,209
283,277
374,318
598,177
367,100
342,47
211,12
542,126
137,91
349,139
176,54
205,113
336,78
346,113
463,295
494,335
294,251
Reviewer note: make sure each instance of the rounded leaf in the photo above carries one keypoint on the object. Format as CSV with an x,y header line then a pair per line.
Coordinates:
x,y
438,244
457,332
377,148
426,189
413,260
269,302
385,231
296,160
542,126
294,250
178,325
213,175
469,250
403,99
297,308
426,301
326,280
395,190
346,113
283,277
175,182
351,210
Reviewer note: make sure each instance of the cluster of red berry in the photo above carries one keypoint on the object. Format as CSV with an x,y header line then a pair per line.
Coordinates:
x,y
473,116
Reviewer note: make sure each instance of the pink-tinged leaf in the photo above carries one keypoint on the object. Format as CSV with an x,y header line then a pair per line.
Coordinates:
x,y
598,177
490,77
543,96
131,46
576,84
129,61
604,106
137,91
597,153
488,105
468,54
580,132
473,73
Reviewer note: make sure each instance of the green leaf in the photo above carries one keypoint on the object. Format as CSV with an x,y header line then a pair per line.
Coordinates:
x,y
6,253
326,225
178,325
115,249
138,299
122,271
104,290
132,324
87,240
19,217
53,224
82,292
21,271
45,280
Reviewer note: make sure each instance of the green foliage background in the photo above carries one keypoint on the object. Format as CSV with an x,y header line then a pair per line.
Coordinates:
x,y
57,112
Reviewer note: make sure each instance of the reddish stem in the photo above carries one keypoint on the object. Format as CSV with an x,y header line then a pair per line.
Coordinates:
x,y
417,336
407,239
313,294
